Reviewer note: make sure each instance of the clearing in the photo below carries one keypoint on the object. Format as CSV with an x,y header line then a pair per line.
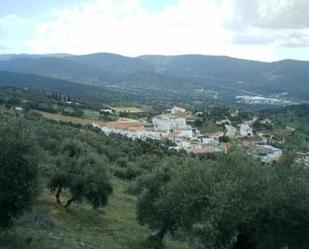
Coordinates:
x,y
129,109
60,117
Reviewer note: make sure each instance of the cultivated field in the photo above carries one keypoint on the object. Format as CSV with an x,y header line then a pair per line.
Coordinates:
x,y
59,117
129,109
121,124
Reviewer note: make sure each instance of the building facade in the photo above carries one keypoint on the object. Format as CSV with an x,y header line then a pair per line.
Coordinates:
x,y
169,122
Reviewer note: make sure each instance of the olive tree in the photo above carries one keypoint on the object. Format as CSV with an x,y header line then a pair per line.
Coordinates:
x,y
18,170
229,202
159,206
79,171
253,205
151,208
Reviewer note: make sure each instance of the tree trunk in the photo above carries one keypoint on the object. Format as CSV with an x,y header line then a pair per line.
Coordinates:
x,y
155,241
69,202
161,233
58,196
243,242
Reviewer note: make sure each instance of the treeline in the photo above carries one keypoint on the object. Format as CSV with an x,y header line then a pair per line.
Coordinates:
x,y
95,96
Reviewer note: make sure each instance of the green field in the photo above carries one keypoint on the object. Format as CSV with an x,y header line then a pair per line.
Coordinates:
x,y
60,117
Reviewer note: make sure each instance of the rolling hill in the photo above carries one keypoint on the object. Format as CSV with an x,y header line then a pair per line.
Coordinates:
x,y
113,63
189,72
261,77
81,92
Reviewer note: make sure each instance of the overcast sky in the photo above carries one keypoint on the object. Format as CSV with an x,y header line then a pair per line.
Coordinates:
x,y
264,30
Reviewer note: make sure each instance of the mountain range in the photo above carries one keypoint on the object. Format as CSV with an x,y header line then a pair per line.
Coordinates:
x,y
171,73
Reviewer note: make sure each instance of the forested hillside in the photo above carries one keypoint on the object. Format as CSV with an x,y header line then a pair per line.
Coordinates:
x,y
228,76
98,95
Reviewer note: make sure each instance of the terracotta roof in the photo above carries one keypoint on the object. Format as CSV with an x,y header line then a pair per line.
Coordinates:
x,y
204,150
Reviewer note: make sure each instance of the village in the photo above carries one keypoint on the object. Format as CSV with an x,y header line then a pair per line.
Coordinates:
x,y
175,125
246,99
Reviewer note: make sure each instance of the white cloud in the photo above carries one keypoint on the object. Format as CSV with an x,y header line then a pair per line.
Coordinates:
x,y
270,14
281,24
126,27
12,30
240,28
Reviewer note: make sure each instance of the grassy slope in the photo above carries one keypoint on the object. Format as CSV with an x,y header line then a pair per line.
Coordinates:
x,y
49,226
52,227
60,117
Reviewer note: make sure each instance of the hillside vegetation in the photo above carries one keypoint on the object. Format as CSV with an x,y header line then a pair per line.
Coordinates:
x,y
229,76
65,184
49,226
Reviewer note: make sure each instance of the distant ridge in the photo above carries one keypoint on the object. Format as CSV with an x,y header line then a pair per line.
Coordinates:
x,y
170,72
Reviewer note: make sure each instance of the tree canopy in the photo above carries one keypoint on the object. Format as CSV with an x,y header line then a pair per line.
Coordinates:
x,y
79,171
231,202
18,170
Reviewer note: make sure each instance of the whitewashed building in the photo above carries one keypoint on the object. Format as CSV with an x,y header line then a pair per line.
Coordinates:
x,y
224,121
177,110
141,133
245,130
302,158
268,153
209,140
20,109
169,122
186,132
106,111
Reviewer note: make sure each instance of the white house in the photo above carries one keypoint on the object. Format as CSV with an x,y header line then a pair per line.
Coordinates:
x,y
268,153
169,122
245,130
234,113
224,121
177,110
265,121
302,158
183,144
20,109
185,132
209,140
106,111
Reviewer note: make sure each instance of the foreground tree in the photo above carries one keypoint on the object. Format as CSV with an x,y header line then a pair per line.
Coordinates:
x,y
158,206
233,202
79,171
255,206
18,170
151,206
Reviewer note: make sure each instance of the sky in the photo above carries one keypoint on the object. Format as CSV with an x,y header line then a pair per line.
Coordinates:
x,y
266,30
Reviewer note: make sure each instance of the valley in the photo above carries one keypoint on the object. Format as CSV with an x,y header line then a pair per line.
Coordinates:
x,y
142,124
136,165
